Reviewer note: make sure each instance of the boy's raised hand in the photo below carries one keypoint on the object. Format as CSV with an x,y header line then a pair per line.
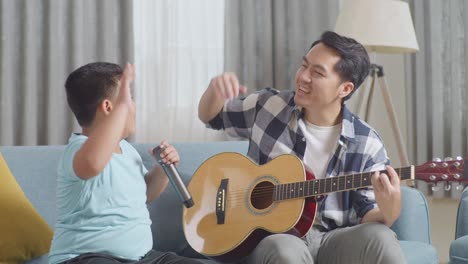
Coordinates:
x,y
125,94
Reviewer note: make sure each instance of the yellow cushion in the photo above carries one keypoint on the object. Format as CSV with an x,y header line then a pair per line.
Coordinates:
x,y
23,232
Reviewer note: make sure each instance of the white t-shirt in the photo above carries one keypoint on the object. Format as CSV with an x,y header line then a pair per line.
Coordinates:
x,y
104,214
320,146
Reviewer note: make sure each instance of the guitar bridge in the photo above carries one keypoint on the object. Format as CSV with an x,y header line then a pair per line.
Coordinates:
x,y
221,201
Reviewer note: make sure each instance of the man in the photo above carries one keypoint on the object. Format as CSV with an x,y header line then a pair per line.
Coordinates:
x,y
313,123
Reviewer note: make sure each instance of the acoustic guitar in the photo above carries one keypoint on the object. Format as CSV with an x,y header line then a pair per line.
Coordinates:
x,y
238,203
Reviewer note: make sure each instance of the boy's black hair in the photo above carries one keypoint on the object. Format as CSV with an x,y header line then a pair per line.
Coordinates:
x,y
88,85
354,65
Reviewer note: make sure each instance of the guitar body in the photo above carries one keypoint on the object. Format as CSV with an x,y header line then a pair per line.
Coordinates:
x,y
244,192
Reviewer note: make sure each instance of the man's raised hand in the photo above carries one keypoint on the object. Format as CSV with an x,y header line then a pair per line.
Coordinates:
x,y
227,86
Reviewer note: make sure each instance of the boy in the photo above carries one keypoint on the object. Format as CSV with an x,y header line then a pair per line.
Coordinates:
x,y
103,186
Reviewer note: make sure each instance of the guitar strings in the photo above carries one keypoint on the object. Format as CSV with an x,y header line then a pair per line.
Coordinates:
x,y
269,190
342,178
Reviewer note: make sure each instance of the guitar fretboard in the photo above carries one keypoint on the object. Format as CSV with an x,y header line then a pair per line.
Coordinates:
x,y
318,187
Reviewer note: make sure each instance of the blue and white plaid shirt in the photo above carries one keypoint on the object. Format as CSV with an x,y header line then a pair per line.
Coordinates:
x,y
269,119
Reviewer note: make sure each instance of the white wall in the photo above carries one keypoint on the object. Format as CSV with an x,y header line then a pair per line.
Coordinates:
x,y
443,216
378,119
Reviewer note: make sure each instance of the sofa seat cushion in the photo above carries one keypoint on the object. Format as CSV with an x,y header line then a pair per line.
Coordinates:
x,y
24,233
459,251
419,252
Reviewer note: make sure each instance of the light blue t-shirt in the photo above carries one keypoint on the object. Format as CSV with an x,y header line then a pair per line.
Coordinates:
x,y
106,213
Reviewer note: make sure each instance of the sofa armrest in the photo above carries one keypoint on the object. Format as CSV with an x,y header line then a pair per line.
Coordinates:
x,y
413,223
458,253
462,216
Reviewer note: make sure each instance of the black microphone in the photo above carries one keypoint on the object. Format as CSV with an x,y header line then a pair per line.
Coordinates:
x,y
174,178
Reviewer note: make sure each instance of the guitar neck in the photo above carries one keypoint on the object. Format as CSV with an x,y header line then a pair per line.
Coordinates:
x,y
319,187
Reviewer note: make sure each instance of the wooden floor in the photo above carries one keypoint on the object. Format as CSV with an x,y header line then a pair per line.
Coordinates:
x,y
443,213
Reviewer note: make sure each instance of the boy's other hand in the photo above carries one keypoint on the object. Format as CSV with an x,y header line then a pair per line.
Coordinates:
x,y
227,86
169,154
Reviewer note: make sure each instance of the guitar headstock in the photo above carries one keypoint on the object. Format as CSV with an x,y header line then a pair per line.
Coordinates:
x,y
447,170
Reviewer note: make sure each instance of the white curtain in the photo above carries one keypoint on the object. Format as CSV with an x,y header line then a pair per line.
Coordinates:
x,y
178,49
439,85
42,42
266,39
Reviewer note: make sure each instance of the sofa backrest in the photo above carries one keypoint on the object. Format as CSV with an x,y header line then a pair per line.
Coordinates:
x,y
35,169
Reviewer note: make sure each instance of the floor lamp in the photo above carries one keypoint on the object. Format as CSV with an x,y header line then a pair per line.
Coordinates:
x,y
382,26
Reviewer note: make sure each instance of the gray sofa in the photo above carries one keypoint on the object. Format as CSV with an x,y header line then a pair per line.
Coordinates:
x,y
35,171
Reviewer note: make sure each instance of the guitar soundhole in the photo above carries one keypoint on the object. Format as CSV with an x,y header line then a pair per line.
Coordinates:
x,y
262,195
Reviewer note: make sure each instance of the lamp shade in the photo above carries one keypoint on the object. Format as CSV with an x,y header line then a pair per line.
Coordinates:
x,y
383,26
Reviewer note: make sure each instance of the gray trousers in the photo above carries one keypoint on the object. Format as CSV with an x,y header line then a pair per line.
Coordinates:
x,y
368,243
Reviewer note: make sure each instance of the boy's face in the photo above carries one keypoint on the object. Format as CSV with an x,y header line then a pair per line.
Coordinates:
x,y
317,82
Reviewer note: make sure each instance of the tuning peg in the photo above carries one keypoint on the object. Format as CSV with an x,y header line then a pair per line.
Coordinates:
x,y
432,177
436,160
448,159
447,187
456,176
444,177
